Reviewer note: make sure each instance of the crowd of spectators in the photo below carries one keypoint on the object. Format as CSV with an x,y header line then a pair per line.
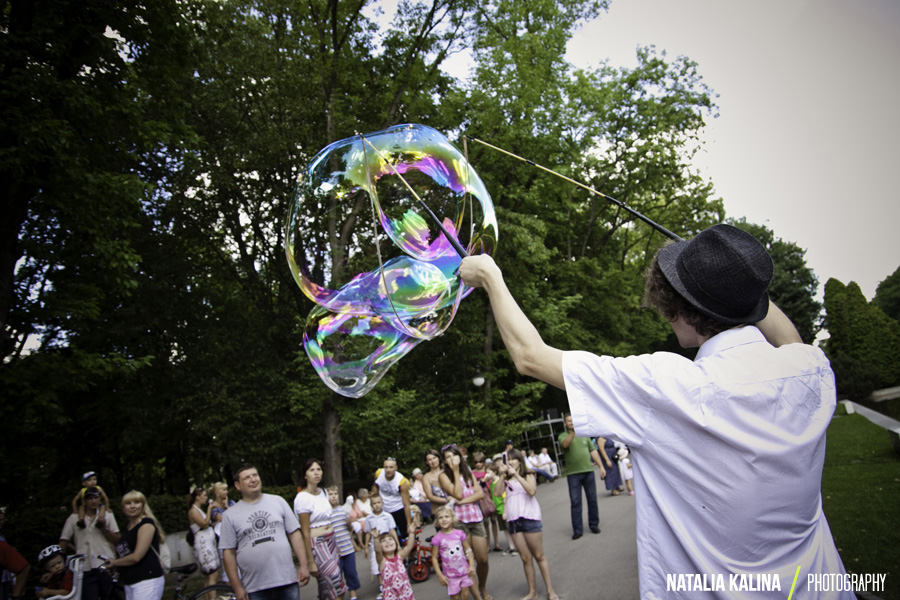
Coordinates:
x,y
468,506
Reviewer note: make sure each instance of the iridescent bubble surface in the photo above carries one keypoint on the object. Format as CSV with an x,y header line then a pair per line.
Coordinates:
x,y
361,246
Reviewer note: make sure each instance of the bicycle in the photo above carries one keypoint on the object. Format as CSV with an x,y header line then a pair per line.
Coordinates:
x,y
222,590
419,567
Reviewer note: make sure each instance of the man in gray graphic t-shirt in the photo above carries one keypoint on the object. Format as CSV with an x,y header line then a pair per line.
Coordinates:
x,y
257,536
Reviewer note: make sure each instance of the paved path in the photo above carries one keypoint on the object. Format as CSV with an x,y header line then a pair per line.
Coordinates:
x,y
594,566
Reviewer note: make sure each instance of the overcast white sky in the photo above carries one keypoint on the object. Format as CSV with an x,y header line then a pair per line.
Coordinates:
x,y
809,102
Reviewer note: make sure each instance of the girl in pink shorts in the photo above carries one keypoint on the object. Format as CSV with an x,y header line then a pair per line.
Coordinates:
x,y
457,566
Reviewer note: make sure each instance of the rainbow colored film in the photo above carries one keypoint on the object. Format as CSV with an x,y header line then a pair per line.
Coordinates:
x,y
360,246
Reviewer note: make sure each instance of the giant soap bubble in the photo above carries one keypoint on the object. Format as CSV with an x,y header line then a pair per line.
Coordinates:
x,y
361,246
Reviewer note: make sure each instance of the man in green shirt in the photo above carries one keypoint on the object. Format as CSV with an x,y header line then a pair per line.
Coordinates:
x,y
580,456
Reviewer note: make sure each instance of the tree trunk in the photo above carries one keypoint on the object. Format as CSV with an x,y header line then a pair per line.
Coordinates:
x,y
488,351
333,456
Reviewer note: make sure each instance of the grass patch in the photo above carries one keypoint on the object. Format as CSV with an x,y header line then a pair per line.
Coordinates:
x,y
861,498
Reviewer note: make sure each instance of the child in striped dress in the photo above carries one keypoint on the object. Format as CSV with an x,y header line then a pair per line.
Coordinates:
x,y
339,520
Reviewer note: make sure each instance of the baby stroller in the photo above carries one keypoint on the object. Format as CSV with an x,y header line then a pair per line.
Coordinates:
x,y
76,565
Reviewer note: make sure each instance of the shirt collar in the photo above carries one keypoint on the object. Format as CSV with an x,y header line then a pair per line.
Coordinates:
x,y
730,338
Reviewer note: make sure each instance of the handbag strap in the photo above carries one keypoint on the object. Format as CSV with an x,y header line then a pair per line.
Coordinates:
x,y
159,558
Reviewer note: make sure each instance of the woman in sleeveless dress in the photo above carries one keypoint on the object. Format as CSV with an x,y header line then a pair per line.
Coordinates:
x,y
613,478
205,545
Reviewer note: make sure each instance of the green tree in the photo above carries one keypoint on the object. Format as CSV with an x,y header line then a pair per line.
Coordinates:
x,y
90,95
573,260
864,342
277,82
150,261
76,138
887,295
794,285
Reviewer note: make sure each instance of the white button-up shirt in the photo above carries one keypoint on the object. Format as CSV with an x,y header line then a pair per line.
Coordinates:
x,y
728,452
91,540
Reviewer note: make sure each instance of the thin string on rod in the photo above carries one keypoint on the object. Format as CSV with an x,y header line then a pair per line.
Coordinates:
x,y
618,203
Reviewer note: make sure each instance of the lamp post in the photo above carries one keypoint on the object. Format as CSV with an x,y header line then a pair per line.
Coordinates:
x,y
478,380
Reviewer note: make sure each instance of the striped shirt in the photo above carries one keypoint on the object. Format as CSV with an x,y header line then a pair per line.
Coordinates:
x,y
341,533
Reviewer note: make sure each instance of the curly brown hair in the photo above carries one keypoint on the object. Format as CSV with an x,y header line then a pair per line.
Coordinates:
x,y
659,294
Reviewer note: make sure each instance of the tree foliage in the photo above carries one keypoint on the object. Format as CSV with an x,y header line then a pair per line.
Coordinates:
x,y
887,295
572,259
794,284
143,248
864,342
89,98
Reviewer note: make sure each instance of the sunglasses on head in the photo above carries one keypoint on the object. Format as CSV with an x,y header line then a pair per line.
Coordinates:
x,y
449,447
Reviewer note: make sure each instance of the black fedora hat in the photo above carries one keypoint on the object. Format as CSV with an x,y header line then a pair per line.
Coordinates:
x,y
723,272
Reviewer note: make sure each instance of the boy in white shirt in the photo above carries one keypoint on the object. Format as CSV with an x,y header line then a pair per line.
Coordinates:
x,y
377,523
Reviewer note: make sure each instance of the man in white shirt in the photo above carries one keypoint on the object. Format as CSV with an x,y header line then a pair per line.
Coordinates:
x,y
727,449
534,464
547,463
95,539
393,488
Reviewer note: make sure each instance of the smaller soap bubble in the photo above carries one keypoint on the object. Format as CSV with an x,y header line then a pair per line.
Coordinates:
x,y
351,353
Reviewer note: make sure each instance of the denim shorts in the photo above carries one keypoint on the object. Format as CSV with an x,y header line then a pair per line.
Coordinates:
x,y
524,526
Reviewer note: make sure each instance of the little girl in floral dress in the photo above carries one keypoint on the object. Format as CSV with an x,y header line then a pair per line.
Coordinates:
x,y
394,580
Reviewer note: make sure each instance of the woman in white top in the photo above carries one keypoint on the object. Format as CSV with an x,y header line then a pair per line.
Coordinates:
x,y
205,544
362,508
523,517
314,513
